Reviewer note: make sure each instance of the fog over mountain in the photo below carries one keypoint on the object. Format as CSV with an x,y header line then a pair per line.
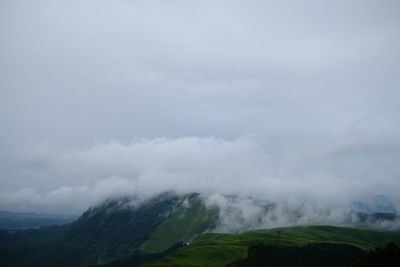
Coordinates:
x,y
289,102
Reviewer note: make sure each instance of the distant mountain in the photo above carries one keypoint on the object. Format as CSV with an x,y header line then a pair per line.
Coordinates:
x,y
17,220
374,204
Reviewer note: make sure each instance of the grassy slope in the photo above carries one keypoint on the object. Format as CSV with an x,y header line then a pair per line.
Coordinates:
x,y
181,227
221,249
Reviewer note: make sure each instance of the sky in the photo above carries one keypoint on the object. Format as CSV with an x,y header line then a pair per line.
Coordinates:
x,y
288,100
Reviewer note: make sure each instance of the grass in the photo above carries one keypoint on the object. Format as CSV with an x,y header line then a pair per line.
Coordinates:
x,y
181,227
216,250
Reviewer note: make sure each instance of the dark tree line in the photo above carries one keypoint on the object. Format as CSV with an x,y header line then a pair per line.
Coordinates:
x,y
387,256
319,254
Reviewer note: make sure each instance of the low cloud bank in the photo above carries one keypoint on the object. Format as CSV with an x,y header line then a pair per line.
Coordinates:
x,y
310,181
238,213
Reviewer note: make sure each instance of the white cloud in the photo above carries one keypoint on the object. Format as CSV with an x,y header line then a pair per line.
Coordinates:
x,y
243,166
66,199
315,84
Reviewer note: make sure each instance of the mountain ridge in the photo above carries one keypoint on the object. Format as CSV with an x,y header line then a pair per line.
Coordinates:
x,y
133,230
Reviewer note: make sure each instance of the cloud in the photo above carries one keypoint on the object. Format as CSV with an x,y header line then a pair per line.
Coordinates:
x,y
66,199
241,213
280,99
242,166
120,69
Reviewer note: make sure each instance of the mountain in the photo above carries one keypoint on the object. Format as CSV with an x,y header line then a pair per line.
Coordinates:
x,y
118,227
17,220
115,230
176,230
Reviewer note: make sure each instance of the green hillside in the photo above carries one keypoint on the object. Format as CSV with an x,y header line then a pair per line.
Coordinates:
x,y
221,249
181,226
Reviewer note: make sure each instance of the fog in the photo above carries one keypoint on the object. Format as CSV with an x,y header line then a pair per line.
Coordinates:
x,y
289,102
335,176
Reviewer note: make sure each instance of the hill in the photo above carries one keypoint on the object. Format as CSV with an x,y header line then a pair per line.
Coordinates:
x,y
222,249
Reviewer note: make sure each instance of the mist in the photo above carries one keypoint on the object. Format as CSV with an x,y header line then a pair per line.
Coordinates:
x,y
285,102
333,177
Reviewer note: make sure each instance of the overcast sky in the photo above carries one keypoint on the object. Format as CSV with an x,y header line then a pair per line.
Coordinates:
x,y
275,98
